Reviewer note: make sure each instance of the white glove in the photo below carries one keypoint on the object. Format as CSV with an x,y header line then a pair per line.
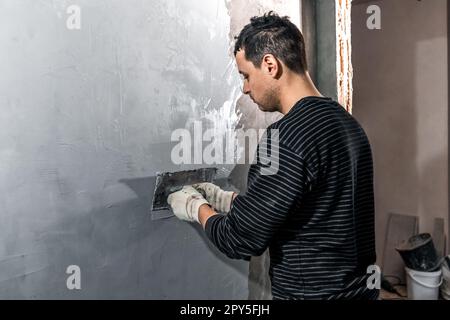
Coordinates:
x,y
186,203
218,198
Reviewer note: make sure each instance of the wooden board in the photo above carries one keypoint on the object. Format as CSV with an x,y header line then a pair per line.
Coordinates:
x,y
439,236
399,228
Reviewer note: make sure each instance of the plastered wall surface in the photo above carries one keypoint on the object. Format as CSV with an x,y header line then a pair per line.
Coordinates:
x,y
86,117
401,99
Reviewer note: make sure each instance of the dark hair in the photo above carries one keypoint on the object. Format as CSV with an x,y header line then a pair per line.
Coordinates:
x,y
272,34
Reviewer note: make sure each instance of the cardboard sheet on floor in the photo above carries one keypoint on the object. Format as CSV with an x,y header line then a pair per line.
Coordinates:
x,y
439,236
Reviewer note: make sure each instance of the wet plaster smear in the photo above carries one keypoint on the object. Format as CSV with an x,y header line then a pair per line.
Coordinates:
x,y
86,120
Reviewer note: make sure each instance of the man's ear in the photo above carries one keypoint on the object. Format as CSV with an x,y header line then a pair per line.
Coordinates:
x,y
271,65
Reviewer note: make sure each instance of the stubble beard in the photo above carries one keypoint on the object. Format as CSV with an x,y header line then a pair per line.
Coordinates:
x,y
270,101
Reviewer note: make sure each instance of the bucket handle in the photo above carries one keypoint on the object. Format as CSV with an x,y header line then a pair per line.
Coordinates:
x,y
426,284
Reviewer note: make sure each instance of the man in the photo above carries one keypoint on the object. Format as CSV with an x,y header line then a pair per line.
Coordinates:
x,y
316,213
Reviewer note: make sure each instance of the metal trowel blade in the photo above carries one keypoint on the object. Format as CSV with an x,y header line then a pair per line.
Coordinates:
x,y
169,182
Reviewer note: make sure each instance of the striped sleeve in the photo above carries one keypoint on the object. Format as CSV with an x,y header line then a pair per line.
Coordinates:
x,y
257,216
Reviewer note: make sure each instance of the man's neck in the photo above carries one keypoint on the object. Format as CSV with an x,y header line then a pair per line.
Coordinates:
x,y
296,88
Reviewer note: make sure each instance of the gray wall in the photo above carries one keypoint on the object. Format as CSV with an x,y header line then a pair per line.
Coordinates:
x,y
319,31
401,99
86,117
326,48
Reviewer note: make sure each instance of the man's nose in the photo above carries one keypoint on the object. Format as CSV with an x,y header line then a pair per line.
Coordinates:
x,y
245,88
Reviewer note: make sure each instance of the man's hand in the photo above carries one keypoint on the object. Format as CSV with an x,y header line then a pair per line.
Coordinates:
x,y
218,198
186,203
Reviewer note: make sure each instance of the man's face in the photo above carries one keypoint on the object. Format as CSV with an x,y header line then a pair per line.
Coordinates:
x,y
259,83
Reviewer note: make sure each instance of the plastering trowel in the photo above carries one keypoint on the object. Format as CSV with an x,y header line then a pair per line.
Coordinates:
x,y
169,182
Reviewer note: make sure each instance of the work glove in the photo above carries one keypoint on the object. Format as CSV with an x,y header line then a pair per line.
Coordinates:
x,y
219,199
186,203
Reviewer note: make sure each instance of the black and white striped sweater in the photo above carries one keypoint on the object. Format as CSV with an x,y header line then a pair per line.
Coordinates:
x,y
316,214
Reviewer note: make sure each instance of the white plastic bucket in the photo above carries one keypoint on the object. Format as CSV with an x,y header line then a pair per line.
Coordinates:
x,y
423,285
445,288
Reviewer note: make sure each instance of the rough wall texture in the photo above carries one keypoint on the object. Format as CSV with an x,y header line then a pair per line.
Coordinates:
x,y
344,54
401,99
